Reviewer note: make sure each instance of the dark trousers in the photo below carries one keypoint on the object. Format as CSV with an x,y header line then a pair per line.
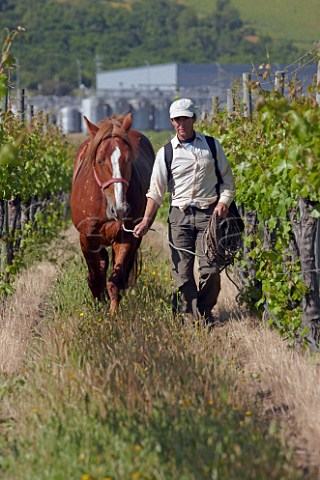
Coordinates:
x,y
186,229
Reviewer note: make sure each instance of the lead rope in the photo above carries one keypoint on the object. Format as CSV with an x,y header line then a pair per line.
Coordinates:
x,y
170,243
221,241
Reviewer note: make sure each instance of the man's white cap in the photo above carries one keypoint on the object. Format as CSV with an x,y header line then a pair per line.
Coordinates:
x,y
184,107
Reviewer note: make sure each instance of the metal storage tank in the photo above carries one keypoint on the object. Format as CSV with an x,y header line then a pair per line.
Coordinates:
x,y
69,118
119,105
52,118
142,114
161,119
107,110
93,109
111,106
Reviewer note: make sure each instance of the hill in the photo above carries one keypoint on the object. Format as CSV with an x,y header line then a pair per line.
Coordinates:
x,y
291,20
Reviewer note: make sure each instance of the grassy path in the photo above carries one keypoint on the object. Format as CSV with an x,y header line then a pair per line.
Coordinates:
x,y
138,397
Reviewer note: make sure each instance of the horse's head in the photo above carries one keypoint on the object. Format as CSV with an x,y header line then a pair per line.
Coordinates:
x,y
112,152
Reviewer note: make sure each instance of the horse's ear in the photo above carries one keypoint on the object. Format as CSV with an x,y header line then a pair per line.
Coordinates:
x,y
127,122
92,129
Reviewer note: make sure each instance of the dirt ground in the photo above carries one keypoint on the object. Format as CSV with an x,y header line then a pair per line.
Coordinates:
x,y
283,380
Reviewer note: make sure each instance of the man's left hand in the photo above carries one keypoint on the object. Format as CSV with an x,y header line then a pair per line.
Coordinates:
x,y
221,210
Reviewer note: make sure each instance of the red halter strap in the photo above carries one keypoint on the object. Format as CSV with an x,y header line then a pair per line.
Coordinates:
x,y
109,182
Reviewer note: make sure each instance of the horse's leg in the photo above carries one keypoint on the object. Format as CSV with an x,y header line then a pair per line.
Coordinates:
x,y
123,259
97,262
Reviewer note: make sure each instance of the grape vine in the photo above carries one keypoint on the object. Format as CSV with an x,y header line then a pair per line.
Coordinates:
x,y
35,178
275,159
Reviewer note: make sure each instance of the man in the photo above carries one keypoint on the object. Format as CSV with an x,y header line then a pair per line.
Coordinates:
x,y
193,200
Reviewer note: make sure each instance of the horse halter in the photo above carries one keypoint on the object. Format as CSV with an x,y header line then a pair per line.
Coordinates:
x,y
108,182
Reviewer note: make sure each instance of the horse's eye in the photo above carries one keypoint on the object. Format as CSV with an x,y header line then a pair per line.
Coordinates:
x,y
100,161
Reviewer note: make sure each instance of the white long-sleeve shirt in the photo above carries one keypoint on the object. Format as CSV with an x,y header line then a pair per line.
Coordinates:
x,y
194,177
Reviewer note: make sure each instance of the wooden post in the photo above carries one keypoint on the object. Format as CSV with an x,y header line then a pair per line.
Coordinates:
x,y
14,219
4,241
317,251
305,234
279,81
22,106
30,114
318,84
5,103
230,104
317,240
248,276
247,99
215,105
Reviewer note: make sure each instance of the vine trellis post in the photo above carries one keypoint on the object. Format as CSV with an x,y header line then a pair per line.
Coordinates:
x,y
215,105
247,98
305,229
318,84
4,234
279,81
230,103
317,242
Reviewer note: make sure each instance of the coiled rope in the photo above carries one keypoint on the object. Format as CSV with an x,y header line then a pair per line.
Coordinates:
x,y
222,240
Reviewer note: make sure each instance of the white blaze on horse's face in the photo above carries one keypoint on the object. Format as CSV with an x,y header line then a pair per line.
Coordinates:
x,y
121,205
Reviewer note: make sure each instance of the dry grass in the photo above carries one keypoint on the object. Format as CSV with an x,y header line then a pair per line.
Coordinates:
x,y
284,378
20,314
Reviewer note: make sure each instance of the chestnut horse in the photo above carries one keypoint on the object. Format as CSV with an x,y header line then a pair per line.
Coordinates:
x,y
111,176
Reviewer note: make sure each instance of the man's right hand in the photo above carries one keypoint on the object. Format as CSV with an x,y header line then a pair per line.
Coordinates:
x,y
150,212
141,228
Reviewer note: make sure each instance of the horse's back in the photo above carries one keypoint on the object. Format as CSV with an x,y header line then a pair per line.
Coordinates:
x,y
144,160
142,166
144,146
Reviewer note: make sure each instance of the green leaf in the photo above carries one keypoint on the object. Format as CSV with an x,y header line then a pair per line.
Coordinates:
x,y
315,213
3,85
9,155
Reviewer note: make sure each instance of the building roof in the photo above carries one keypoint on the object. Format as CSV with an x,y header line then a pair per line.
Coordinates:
x,y
163,76
170,77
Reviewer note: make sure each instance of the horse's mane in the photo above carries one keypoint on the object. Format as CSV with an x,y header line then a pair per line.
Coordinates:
x,y
110,127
